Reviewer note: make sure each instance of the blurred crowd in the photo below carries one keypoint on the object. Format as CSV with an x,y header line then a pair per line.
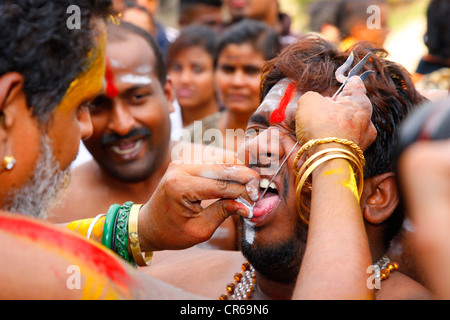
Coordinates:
x,y
341,22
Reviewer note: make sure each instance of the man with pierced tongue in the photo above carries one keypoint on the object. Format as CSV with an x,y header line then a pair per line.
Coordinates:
x,y
309,236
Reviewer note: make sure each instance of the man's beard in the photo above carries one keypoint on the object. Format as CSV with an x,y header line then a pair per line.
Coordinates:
x,y
278,262
38,196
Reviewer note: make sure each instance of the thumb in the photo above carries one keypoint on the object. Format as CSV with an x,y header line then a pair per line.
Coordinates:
x,y
355,86
224,208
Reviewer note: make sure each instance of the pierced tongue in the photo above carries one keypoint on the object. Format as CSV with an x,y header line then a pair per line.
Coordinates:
x,y
265,204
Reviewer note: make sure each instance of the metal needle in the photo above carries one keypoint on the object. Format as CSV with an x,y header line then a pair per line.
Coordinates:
x,y
276,172
353,72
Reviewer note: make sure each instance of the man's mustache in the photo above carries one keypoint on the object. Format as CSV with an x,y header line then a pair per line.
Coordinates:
x,y
111,138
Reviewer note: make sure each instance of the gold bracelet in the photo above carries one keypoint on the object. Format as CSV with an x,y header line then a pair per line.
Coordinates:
x,y
133,238
305,175
311,143
358,165
314,157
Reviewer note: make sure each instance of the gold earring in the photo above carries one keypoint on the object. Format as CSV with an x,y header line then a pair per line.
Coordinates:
x,y
8,163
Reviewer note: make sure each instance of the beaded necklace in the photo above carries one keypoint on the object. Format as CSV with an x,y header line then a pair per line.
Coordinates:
x,y
386,267
244,281
243,285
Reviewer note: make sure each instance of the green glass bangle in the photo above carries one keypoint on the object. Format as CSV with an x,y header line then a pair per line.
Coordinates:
x,y
109,225
121,232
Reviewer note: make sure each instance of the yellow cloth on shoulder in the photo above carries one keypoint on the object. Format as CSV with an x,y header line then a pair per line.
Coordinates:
x,y
82,226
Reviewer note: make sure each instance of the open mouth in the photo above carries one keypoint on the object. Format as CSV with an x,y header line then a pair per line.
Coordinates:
x,y
270,200
127,149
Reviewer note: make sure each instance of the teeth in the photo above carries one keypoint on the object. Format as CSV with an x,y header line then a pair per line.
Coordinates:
x,y
136,146
266,183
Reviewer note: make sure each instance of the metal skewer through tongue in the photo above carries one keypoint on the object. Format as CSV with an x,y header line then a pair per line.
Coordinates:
x,y
276,172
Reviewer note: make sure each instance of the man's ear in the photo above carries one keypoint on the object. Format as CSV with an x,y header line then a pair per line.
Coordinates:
x,y
380,197
169,91
11,85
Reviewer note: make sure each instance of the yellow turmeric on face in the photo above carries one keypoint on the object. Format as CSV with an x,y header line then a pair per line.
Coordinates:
x,y
90,82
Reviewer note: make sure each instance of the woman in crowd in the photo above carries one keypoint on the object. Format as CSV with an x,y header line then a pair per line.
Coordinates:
x,y
241,53
190,65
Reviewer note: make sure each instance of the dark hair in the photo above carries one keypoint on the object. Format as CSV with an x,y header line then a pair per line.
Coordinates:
x,y
193,36
37,43
321,12
350,12
212,3
437,38
311,63
261,36
131,5
121,32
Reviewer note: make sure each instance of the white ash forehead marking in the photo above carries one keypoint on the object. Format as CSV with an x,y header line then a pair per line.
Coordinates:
x,y
274,96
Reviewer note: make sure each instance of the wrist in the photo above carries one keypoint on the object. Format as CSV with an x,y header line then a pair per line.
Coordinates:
x,y
121,233
327,161
141,258
324,146
145,227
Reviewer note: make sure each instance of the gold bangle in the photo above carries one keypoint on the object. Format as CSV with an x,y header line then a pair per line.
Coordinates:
x,y
318,154
313,142
133,238
308,171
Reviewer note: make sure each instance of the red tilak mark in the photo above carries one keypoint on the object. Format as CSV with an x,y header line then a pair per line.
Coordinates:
x,y
94,256
279,114
111,90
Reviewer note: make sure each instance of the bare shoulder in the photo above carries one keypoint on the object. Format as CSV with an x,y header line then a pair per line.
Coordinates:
x,y
200,271
84,173
401,287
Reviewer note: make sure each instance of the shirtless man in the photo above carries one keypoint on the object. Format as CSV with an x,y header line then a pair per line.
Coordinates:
x,y
45,88
130,144
274,241
43,261
131,129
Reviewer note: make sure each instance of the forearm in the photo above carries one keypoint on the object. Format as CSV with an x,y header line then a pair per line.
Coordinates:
x,y
89,228
337,254
115,230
